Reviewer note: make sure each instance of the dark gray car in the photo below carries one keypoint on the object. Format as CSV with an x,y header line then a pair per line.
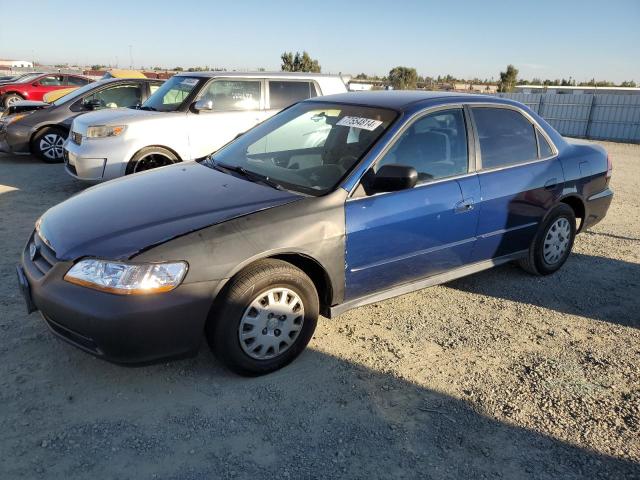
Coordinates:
x,y
41,128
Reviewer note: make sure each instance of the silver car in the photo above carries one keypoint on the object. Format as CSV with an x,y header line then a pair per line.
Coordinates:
x,y
190,116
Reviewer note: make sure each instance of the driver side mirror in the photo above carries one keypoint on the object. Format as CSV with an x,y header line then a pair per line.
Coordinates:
x,y
202,105
393,178
92,104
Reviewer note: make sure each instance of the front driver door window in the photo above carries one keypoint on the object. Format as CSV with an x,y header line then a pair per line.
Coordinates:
x,y
52,81
237,106
116,97
398,237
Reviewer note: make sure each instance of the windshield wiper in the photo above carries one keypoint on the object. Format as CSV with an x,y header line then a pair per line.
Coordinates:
x,y
248,174
146,107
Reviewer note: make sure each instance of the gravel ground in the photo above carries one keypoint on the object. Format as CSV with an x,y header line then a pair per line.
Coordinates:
x,y
499,375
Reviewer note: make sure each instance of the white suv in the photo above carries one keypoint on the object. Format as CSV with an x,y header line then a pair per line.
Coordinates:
x,y
190,116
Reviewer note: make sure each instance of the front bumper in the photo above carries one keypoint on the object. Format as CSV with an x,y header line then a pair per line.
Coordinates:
x,y
14,138
88,169
95,160
118,328
596,207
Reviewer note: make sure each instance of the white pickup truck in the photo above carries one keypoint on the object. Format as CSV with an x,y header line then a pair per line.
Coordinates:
x,y
190,116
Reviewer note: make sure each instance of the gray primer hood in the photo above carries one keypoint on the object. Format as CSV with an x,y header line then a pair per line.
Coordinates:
x,y
118,219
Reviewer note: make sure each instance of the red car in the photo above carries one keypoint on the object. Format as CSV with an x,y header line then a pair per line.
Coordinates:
x,y
35,88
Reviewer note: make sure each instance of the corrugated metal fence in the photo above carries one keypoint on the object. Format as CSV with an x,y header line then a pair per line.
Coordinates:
x,y
601,117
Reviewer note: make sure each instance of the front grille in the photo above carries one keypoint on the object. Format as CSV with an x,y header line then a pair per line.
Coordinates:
x,y
76,138
39,255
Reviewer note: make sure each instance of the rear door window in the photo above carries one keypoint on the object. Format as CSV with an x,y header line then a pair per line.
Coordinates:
x,y
76,81
506,137
287,92
234,95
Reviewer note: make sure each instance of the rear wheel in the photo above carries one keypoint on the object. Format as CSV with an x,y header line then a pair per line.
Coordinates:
x,y
264,319
149,158
48,144
553,243
10,99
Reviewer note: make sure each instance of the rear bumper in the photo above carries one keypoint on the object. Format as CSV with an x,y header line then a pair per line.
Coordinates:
x,y
119,328
596,207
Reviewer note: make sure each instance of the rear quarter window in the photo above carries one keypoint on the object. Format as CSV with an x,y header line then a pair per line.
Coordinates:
x,y
506,137
545,149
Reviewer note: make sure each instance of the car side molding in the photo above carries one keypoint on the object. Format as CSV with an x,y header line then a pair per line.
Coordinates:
x,y
424,283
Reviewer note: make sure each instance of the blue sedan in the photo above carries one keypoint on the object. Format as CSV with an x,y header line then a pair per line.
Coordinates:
x,y
334,203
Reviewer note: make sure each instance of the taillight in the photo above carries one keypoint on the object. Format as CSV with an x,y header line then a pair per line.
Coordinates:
x,y
609,166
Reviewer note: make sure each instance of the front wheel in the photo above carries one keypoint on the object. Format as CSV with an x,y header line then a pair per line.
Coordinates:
x,y
553,242
149,158
264,319
48,144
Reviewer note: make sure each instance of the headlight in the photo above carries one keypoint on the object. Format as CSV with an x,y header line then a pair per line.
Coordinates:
x,y
127,278
101,131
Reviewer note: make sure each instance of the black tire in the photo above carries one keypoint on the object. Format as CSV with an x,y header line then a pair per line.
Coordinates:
x,y
149,158
223,326
535,262
9,98
47,144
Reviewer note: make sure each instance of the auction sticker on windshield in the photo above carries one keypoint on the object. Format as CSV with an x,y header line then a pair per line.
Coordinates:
x,y
189,81
360,122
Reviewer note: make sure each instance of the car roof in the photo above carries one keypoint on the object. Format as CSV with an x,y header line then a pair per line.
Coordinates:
x,y
292,75
106,81
402,100
46,74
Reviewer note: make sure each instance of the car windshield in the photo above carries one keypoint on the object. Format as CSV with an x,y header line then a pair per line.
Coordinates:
x,y
308,148
78,92
171,95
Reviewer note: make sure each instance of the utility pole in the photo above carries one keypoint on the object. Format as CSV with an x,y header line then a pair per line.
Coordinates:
x,y
130,58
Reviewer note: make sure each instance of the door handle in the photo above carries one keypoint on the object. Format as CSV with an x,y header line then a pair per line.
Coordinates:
x,y
551,184
464,205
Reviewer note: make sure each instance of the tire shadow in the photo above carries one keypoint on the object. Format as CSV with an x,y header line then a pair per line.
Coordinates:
x,y
599,288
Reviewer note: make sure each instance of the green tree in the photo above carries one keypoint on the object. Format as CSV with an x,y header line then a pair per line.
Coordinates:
x,y
178,69
403,78
361,76
508,79
628,83
299,62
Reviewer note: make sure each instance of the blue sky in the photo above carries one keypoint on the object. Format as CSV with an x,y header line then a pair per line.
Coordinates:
x,y
543,38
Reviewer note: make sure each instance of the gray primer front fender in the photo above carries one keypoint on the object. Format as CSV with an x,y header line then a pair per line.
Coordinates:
x,y
313,227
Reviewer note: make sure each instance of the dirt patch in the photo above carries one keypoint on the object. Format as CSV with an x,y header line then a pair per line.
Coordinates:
x,y
498,375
